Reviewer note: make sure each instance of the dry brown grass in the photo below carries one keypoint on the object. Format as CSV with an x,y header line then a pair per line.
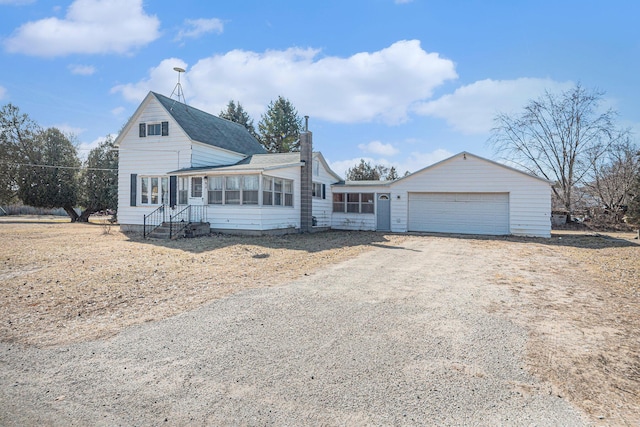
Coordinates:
x,y
67,282
577,294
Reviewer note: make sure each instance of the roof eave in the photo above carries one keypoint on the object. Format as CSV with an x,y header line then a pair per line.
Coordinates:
x,y
232,169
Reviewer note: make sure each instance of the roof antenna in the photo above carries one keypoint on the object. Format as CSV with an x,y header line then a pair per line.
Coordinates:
x,y
178,89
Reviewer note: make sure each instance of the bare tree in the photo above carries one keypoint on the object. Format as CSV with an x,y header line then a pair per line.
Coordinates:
x,y
614,174
556,136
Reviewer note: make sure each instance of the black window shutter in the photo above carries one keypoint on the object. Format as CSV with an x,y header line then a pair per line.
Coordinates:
x,y
165,128
173,190
324,191
143,130
134,189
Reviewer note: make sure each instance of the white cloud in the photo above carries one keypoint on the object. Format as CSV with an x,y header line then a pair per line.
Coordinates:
x,y
412,163
69,130
85,147
162,79
82,70
198,27
376,86
377,147
3,92
89,27
418,160
118,111
470,109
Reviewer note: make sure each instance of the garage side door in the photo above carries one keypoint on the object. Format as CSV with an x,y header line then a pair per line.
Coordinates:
x,y
467,213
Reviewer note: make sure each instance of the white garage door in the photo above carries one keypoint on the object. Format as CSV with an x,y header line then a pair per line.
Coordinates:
x,y
468,213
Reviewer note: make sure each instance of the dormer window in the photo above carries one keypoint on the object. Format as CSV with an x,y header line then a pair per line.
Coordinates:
x,y
154,129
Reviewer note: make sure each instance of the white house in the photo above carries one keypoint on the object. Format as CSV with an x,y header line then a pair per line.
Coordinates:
x,y
179,164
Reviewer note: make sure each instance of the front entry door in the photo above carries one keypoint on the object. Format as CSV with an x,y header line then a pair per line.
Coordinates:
x,y
383,213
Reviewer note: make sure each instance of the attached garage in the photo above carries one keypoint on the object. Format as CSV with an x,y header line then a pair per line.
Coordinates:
x,y
463,194
470,213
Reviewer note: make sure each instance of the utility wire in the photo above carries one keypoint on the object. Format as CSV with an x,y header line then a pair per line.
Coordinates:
x,y
57,167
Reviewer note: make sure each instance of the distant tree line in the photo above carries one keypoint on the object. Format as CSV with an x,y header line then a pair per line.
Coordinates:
x,y
41,168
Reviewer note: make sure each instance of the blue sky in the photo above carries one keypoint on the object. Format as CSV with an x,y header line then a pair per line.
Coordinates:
x,y
403,83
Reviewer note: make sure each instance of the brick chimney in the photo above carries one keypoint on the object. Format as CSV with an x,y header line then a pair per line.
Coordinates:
x,y
306,177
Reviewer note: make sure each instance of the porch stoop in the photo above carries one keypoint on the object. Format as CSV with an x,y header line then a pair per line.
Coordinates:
x,y
192,229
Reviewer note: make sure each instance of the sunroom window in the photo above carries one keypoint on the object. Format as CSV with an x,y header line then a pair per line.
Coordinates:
x,y
277,191
353,202
250,187
216,188
233,190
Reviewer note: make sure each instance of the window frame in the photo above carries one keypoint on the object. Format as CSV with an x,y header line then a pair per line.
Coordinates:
x,y
354,203
239,187
233,190
316,190
196,189
277,191
154,190
249,194
153,129
215,190
183,190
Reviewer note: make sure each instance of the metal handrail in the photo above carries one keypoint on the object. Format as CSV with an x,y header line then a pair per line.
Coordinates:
x,y
154,220
188,215
177,222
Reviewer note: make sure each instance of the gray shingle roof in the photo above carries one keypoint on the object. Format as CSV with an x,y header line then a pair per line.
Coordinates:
x,y
212,130
257,162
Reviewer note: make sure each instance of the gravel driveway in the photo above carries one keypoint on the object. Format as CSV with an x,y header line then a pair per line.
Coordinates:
x,y
397,336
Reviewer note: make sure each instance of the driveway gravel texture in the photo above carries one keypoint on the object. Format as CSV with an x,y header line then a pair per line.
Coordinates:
x,y
396,336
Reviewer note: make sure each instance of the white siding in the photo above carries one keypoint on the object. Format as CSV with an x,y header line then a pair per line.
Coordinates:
x,y
151,155
322,208
206,155
529,198
353,221
276,217
156,156
259,218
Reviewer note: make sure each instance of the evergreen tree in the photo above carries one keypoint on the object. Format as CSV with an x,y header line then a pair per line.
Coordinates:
x,y
235,113
17,132
363,171
280,127
48,172
392,174
100,179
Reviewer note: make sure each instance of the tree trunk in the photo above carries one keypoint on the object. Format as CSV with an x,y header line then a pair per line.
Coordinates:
x,y
72,213
84,216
